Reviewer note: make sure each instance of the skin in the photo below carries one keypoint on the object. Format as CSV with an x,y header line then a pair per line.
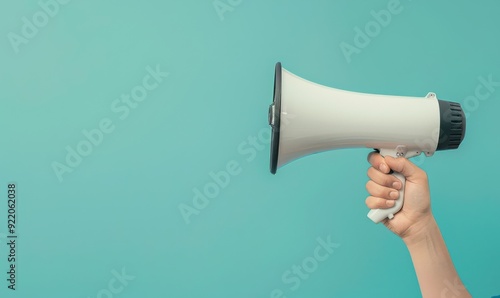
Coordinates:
x,y
415,224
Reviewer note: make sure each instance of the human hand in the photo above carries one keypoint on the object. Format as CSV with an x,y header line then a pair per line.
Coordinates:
x,y
384,190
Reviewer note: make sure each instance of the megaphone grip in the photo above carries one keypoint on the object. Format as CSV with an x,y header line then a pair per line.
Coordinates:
x,y
378,215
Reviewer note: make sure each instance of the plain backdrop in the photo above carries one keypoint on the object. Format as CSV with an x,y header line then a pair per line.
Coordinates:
x,y
64,68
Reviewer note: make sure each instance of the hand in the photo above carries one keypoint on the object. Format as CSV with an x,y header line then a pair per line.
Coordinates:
x,y
414,223
416,212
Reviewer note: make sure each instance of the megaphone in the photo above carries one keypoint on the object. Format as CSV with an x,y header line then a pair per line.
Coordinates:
x,y
308,118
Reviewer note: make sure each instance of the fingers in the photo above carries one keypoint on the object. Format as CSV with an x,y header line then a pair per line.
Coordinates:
x,y
382,192
378,162
382,187
384,179
406,167
378,203
401,165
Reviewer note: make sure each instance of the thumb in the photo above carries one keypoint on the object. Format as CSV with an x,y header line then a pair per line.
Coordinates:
x,y
405,167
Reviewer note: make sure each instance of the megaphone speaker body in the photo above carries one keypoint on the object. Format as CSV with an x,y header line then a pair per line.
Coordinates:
x,y
308,118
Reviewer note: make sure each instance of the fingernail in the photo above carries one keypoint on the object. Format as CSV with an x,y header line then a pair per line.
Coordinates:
x,y
394,194
383,167
396,185
389,203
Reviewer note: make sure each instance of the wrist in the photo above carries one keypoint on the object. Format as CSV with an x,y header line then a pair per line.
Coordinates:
x,y
420,230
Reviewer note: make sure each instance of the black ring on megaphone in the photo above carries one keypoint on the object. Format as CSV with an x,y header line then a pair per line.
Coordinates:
x,y
452,125
275,134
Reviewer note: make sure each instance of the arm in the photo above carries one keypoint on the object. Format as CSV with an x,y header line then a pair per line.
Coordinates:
x,y
415,224
435,271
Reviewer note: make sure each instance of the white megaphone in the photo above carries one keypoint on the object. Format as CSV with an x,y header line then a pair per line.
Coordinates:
x,y
308,118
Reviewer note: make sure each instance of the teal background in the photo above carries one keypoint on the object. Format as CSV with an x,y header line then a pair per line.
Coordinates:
x,y
120,207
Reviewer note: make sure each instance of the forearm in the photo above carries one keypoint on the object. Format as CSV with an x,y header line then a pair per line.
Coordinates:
x,y
436,274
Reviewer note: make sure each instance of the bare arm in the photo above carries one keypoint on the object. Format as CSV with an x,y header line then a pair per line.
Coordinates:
x,y
415,224
433,265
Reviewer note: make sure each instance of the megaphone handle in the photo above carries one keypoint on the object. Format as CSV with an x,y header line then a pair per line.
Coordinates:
x,y
377,215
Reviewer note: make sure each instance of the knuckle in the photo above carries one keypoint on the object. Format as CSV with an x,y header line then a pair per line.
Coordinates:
x,y
380,203
369,171
372,173
367,185
380,191
370,185
374,158
371,202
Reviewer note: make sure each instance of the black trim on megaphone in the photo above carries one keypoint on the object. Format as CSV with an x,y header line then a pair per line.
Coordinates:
x,y
274,118
452,125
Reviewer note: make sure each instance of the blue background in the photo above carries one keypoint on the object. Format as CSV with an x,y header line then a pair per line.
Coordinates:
x,y
119,208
